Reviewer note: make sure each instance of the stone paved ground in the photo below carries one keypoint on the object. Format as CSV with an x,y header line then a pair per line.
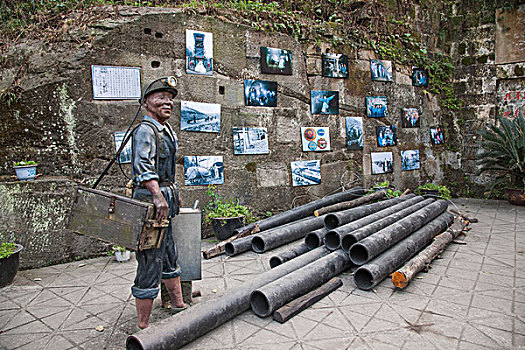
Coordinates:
x,y
472,298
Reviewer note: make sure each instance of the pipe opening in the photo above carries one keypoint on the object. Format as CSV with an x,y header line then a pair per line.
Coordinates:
x,y
363,279
229,249
133,344
258,244
260,304
332,240
312,241
275,261
331,221
358,254
347,242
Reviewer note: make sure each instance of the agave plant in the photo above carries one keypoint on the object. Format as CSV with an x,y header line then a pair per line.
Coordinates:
x,y
503,152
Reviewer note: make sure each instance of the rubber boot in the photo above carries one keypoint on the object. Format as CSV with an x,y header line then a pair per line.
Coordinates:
x,y
144,307
175,292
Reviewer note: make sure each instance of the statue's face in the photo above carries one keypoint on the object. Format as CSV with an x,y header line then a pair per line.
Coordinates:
x,y
159,105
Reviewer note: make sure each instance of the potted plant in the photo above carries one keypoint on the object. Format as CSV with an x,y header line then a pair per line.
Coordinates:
x,y
431,190
25,170
9,261
225,215
503,154
391,192
121,253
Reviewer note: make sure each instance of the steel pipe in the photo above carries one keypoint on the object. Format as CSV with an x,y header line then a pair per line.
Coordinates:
x,y
334,220
238,246
368,276
373,245
277,260
334,237
349,238
315,238
180,329
268,298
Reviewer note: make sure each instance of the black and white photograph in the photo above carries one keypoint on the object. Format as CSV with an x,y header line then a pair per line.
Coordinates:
x,y
410,160
276,61
386,136
324,102
335,65
354,133
125,154
199,52
376,106
410,118
381,70
250,140
382,162
419,77
203,170
201,117
436,135
306,172
315,139
260,93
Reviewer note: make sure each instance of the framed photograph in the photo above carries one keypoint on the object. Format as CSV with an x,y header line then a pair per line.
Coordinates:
x,y
250,140
203,170
315,139
376,106
381,70
125,154
306,172
276,61
410,118
419,77
199,52
201,117
382,162
260,93
410,160
354,133
335,65
436,135
324,102
386,136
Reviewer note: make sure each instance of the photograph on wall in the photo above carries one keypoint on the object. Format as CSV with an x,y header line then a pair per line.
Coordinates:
x,y
315,139
276,61
324,102
250,140
410,160
201,117
354,133
410,118
436,135
260,93
203,170
381,70
199,52
335,65
376,106
386,136
382,162
306,172
419,77
125,154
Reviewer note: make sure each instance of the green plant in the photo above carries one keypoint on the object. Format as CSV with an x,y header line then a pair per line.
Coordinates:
x,y
25,163
503,152
7,249
218,207
442,191
390,192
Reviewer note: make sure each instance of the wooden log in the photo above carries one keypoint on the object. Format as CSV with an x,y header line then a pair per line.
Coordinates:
x,y
220,247
350,204
405,274
463,215
302,303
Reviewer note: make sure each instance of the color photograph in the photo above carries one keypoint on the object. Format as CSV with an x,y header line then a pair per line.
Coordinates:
x,y
436,135
200,117
354,133
335,65
324,102
419,77
376,106
315,139
260,93
125,154
250,140
276,61
306,172
382,162
203,170
410,118
381,70
199,52
410,160
386,136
